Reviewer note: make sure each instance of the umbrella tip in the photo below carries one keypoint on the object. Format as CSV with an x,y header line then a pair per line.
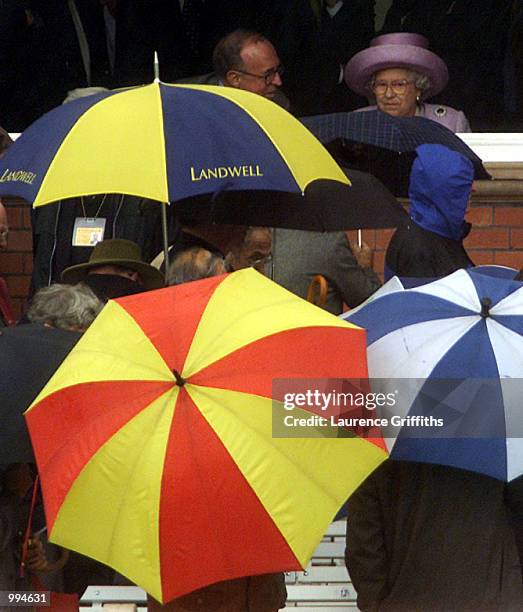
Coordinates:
x,y
156,68
486,303
180,381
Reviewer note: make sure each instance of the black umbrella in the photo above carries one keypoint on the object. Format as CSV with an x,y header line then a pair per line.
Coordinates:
x,y
376,142
30,354
324,208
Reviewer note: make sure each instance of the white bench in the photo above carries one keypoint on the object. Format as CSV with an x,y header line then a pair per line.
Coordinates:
x,y
325,584
318,574
329,550
337,529
325,594
95,597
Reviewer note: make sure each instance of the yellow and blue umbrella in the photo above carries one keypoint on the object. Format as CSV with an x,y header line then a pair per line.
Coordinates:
x,y
173,142
170,141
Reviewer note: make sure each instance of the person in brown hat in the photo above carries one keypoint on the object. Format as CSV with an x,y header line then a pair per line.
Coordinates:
x,y
115,268
400,73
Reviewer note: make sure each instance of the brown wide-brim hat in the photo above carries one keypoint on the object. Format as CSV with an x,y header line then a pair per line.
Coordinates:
x,y
398,50
116,252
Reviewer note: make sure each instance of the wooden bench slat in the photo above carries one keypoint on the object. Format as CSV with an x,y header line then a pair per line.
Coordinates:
x,y
330,550
114,594
347,605
323,573
338,528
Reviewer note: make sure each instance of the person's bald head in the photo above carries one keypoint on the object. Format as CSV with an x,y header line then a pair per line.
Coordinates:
x,y
194,264
255,251
247,60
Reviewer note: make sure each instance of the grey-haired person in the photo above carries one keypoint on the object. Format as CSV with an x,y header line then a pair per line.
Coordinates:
x,y
399,73
72,307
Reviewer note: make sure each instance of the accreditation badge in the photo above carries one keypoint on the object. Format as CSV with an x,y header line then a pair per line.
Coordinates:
x,y
88,231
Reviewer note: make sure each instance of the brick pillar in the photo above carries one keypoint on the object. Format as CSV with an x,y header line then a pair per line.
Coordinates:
x,y
16,264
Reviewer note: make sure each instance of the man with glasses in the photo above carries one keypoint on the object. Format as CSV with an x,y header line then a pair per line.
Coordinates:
x,y
246,60
256,250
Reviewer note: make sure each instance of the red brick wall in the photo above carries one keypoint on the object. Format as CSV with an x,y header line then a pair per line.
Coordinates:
x,y
16,264
496,237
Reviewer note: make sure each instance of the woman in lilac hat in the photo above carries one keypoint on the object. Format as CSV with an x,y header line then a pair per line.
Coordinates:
x,y
400,72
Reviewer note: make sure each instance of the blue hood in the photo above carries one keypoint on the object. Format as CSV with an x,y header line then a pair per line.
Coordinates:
x,y
439,190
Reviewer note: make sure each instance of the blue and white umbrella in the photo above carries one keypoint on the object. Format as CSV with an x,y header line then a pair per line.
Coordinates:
x,y
451,353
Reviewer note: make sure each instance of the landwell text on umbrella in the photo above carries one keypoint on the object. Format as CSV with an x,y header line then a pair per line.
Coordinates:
x,y
220,172
21,176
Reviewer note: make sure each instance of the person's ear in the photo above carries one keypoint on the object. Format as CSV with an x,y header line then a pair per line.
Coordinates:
x,y
232,78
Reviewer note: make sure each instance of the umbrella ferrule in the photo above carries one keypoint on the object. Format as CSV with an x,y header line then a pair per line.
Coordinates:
x,y
180,381
486,303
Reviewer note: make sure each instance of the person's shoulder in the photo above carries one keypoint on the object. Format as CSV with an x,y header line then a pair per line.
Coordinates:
x,y
282,100
450,117
201,79
410,238
440,110
316,251
362,109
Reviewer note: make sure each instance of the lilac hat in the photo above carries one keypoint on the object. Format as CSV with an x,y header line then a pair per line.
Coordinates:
x,y
398,50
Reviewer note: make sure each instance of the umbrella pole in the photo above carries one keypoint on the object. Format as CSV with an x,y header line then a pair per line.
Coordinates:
x,y
273,253
165,240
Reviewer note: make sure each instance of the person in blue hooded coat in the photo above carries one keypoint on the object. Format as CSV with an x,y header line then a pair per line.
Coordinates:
x,y
431,244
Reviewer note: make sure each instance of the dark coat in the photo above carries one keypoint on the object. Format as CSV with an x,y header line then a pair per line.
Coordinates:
x,y
132,218
422,537
310,71
341,37
13,520
16,67
143,26
298,256
57,65
419,253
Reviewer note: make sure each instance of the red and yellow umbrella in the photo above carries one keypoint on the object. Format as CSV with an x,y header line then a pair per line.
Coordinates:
x,y
154,438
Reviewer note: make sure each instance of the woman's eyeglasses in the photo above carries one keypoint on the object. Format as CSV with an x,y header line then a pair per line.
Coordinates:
x,y
399,87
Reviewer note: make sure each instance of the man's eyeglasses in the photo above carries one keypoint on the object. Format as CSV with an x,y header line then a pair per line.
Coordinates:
x,y
268,77
256,261
399,87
